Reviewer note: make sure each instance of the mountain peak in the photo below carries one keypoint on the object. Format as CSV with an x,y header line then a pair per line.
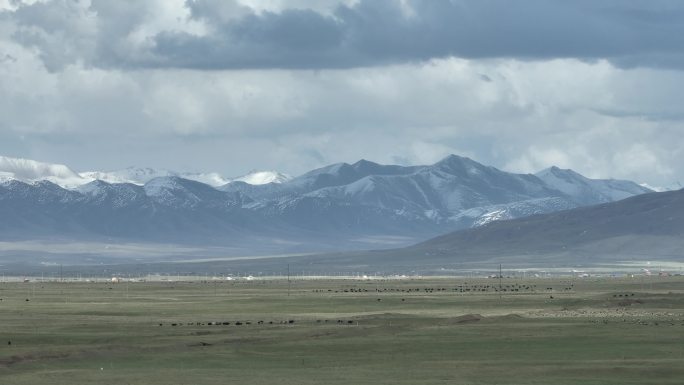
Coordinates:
x,y
458,161
451,158
95,187
363,163
454,164
454,156
555,170
586,190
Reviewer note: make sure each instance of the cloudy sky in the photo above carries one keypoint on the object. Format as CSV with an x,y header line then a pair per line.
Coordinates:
x,y
234,85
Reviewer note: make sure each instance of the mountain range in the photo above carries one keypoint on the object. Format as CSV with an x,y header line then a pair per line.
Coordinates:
x,y
635,234
341,206
645,231
27,170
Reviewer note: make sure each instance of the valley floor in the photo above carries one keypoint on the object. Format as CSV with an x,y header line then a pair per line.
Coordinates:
x,y
418,331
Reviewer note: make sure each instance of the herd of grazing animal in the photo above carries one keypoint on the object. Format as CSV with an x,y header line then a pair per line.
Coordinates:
x,y
260,322
462,288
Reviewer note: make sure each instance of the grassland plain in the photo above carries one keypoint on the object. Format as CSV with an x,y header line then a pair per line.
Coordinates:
x,y
413,331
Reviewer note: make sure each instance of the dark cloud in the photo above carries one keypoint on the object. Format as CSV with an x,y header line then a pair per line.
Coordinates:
x,y
368,33
378,32
268,40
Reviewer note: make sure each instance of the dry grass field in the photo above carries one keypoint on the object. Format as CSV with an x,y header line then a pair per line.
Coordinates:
x,y
412,331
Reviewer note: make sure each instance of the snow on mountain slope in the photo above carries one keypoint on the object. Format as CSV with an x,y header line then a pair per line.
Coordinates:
x,y
262,177
108,177
454,192
441,190
135,175
140,176
480,216
27,170
6,176
118,195
589,191
672,187
644,226
213,179
341,174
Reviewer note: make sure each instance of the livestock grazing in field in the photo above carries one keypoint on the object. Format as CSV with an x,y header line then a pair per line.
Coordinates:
x,y
462,288
431,323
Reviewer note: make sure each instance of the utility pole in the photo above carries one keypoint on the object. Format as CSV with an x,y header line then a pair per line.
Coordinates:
x,y
500,277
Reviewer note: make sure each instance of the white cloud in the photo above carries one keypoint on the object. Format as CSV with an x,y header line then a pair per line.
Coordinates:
x,y
522,116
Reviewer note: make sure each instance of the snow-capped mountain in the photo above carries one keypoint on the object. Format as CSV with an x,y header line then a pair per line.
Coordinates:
x,y
27,170
140,176
455,192
261,177
589,191
134,175
333,205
